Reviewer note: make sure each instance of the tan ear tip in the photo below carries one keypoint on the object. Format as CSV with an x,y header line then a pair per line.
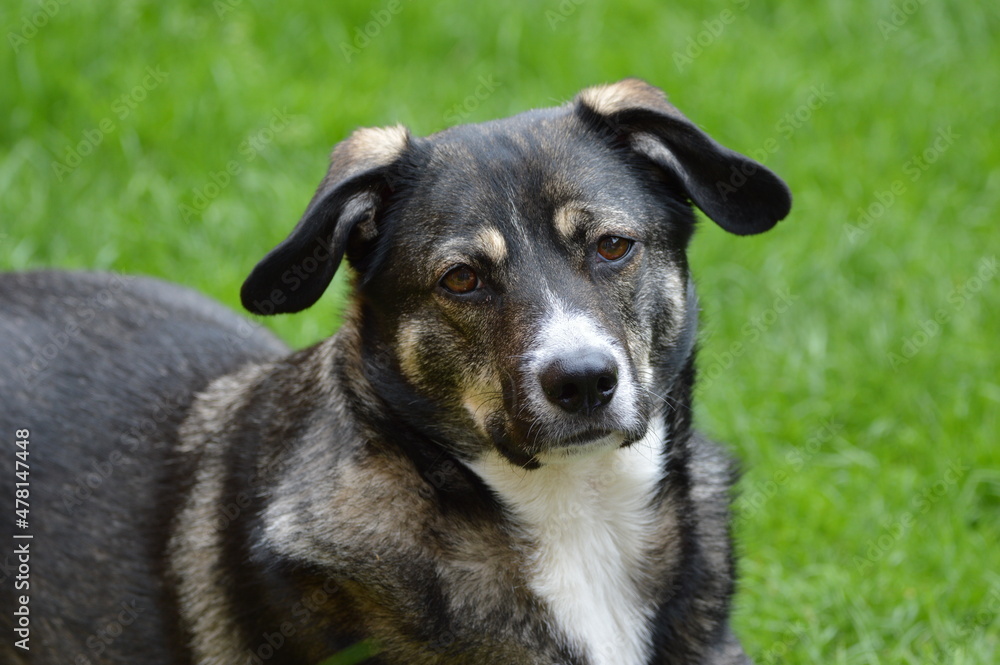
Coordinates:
x,y
380,144
625,94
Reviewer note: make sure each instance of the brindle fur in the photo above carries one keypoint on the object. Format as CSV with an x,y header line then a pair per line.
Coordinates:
x,y
275,507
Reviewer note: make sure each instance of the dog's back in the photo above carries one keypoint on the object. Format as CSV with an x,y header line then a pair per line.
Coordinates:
x,y
139,350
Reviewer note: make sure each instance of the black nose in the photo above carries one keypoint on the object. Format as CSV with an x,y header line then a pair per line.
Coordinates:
x,y
582,382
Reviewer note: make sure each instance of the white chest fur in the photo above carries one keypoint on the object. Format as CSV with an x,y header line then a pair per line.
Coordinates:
x,y
591,519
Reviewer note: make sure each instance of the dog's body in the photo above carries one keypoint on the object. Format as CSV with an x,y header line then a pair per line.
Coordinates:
x,y
491,461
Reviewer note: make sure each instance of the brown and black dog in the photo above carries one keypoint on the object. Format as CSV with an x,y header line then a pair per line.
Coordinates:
x,y
491,461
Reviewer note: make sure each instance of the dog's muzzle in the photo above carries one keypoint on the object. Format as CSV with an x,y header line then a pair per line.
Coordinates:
x,y
574,390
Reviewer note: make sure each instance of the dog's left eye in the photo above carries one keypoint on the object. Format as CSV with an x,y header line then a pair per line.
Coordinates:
x,y
613,248
460,279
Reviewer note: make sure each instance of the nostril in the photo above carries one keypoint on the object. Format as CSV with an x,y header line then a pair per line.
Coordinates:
x,y
561,387
606,384
604,390
568,392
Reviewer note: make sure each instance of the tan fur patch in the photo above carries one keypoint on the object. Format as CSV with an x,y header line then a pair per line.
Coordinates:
x,y
566,219
378,517
410,334
493,244
482,397
382,144
628,93
366,148
195,550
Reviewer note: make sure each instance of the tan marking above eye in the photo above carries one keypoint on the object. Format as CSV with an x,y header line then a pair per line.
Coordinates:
x,y
567,219
493,243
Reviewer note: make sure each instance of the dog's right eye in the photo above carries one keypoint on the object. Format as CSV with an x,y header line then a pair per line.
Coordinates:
x,y
461,279
614,248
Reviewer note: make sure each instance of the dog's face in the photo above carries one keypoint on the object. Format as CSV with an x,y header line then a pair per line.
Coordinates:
x,y
530,270
524,281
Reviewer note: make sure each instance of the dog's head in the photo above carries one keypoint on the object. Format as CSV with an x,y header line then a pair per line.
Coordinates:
x,y
522,284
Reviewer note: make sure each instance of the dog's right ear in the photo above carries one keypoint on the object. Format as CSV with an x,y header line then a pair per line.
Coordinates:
x,y
295,274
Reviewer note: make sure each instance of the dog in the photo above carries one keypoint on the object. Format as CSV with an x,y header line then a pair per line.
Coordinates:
x,y
491,461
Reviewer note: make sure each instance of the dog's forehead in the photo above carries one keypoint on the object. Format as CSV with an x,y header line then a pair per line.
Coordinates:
x,y
532,172
516,151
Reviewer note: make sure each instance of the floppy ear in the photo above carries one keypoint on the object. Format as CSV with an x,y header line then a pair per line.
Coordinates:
x,y
736,192
295,274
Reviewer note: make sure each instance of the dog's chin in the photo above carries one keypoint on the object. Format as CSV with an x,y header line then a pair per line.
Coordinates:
x,y
579,446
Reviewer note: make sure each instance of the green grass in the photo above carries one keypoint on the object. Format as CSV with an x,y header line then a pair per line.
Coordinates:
x,y
847,407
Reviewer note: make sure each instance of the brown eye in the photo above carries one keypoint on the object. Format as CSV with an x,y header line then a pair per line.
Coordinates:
x,y
613,248
460,279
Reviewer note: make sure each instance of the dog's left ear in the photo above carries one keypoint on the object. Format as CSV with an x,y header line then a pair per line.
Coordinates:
x,y
342,213
736,192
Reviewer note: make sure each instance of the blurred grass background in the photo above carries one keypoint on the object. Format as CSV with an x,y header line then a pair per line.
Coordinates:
x,y
849,356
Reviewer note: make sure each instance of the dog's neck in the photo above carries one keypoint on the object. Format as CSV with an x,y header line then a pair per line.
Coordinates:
x,y
592,521
389,410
